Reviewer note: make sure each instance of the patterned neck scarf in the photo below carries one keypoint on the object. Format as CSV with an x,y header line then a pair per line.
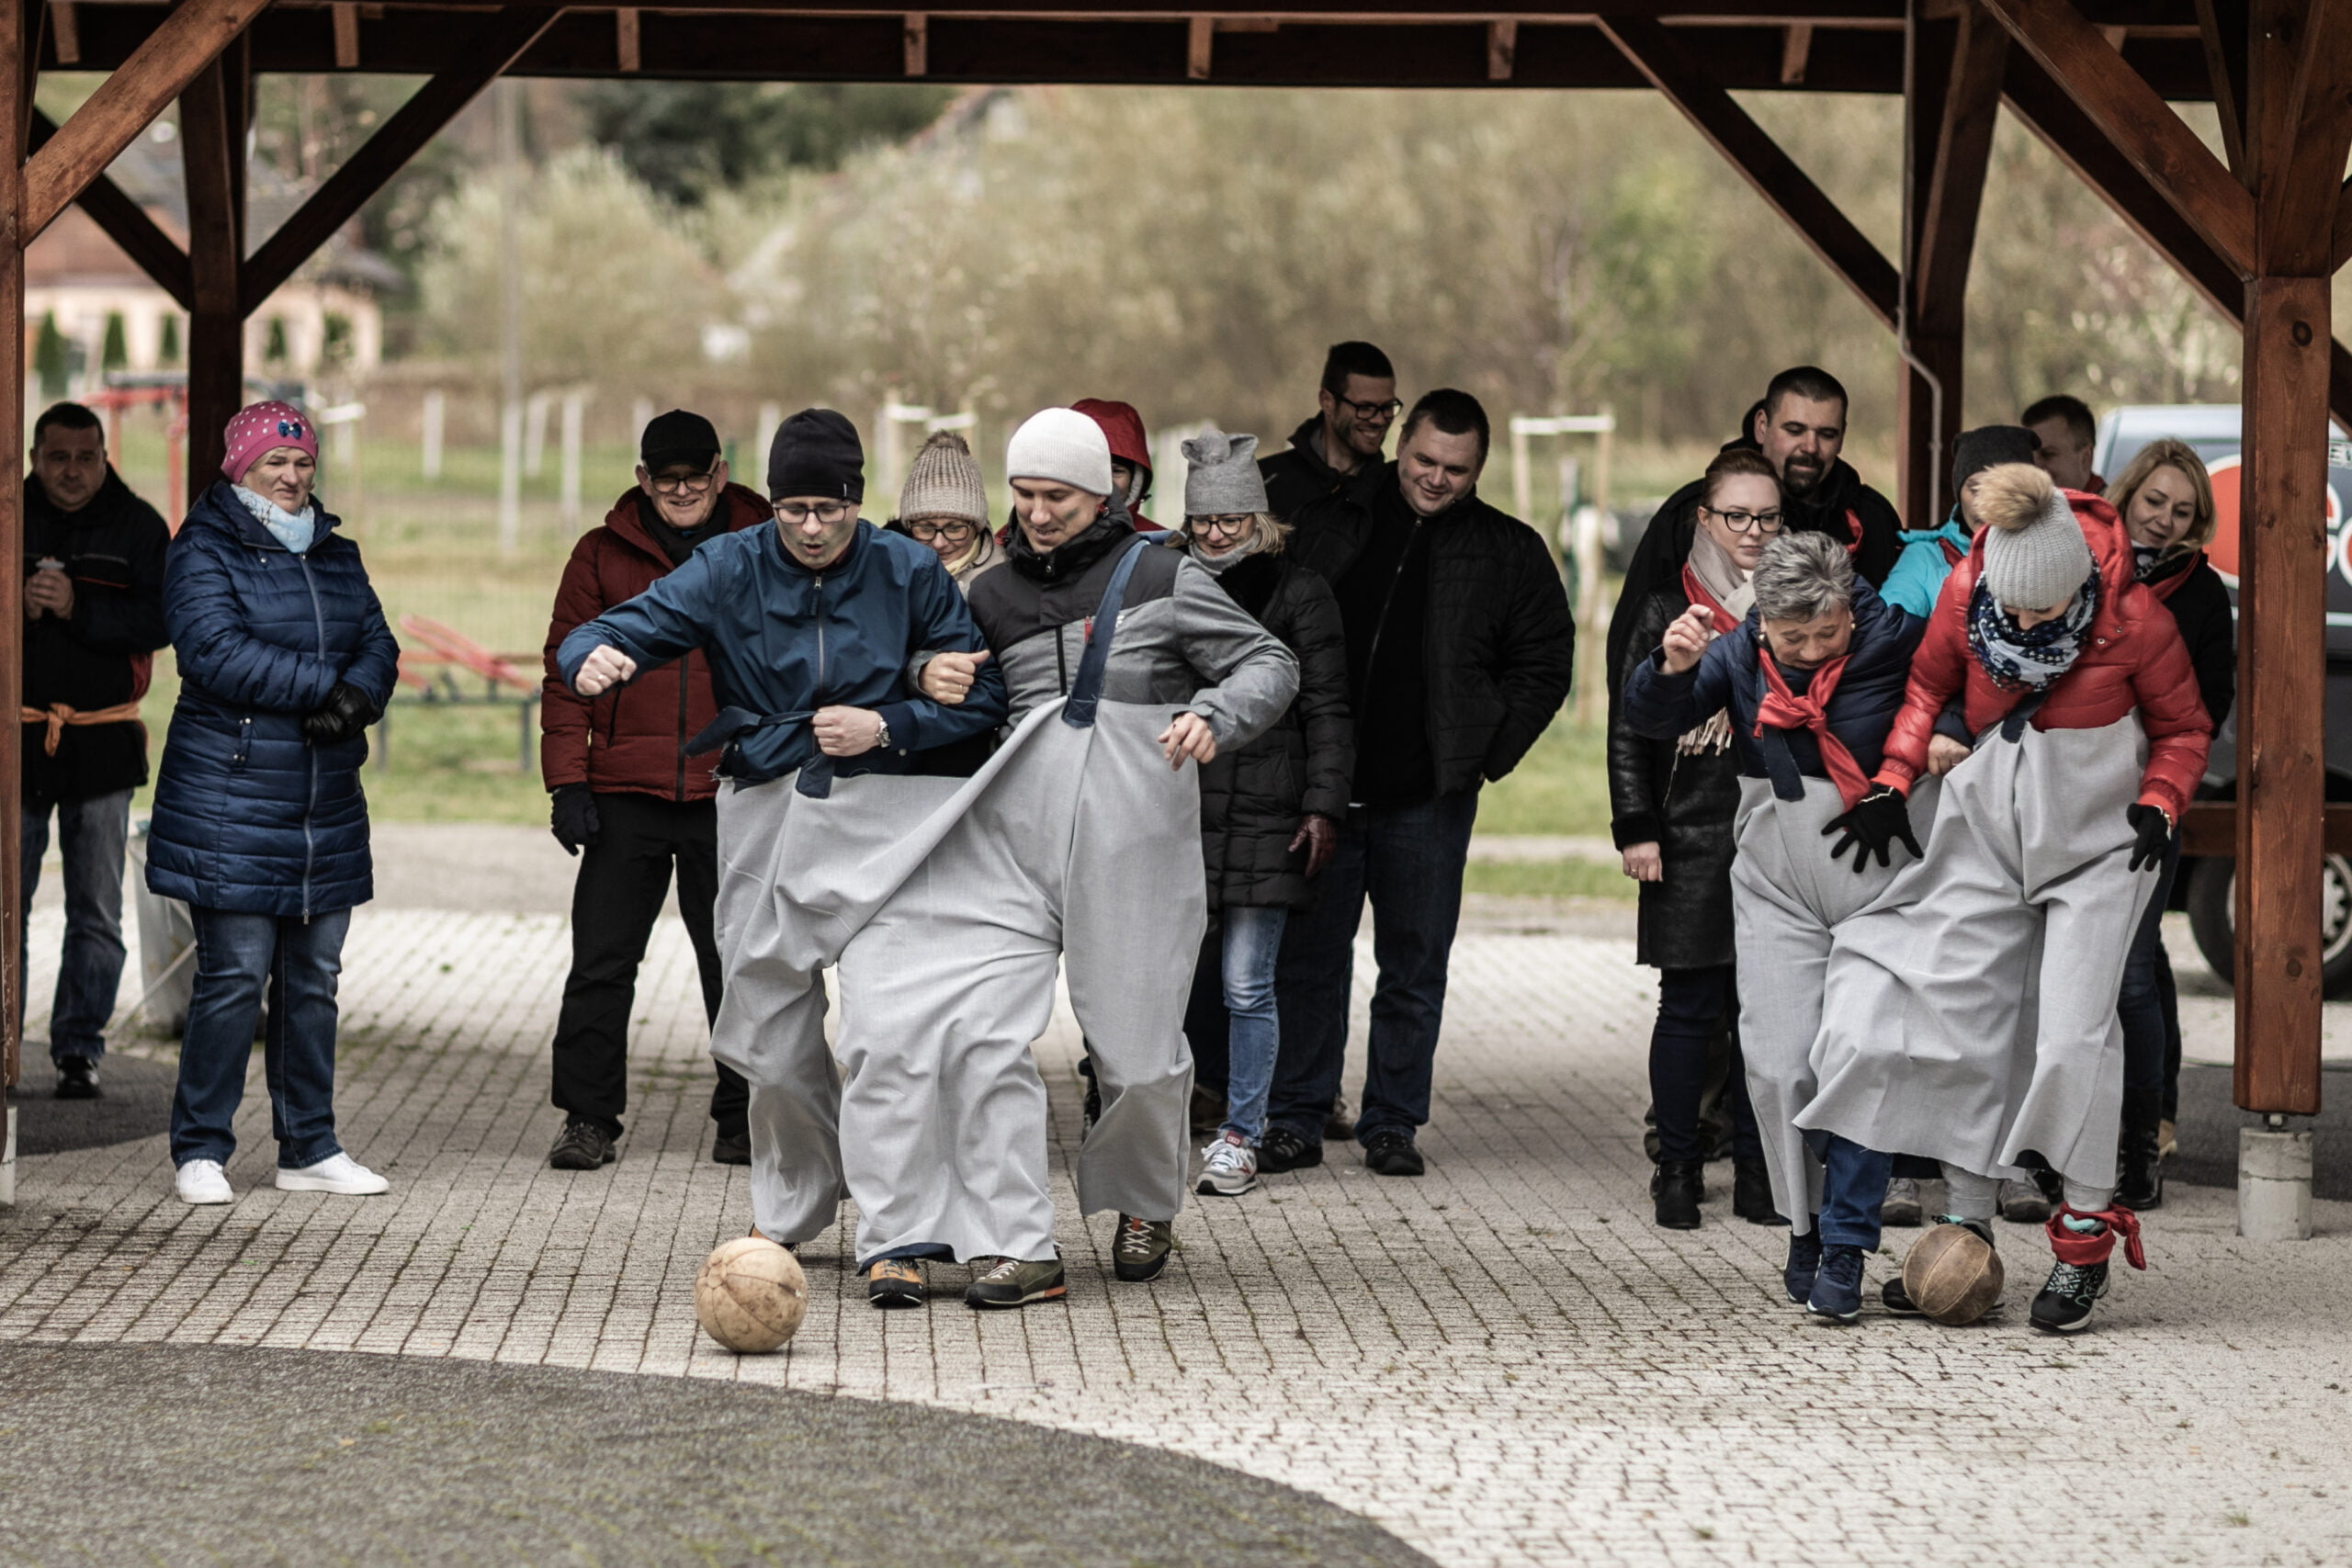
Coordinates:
x,y
296,530
2016,660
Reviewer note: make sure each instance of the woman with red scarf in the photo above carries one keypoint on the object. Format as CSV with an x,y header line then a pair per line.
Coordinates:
x,y
1811,682
1672,798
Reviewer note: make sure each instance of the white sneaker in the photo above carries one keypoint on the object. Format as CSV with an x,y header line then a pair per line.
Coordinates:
x,y
202,1181
1232,1169
336,1173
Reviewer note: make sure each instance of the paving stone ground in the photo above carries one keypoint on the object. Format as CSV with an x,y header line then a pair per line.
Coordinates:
x,y
1502,1363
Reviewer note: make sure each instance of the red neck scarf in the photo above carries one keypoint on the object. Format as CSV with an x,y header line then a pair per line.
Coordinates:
x,y
1783,709
1696,592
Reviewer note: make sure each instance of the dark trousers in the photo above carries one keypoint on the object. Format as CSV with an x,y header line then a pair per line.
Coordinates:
x,y
1409,861
239,959
1693,1006
2149,1011
624,877
91,835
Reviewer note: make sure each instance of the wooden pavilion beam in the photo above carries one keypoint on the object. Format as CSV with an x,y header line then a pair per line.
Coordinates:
x,y
187,40
16,93
1787,189
127,224
2140,124
1953,102
495,45
2306,131
213,111
2222,30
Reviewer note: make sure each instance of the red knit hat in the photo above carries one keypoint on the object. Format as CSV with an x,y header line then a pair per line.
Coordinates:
x,y
261,429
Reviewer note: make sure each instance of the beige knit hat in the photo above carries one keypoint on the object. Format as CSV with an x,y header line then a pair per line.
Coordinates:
x,y
944,481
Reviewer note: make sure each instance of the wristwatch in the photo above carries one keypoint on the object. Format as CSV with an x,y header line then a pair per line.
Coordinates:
x,y
881,732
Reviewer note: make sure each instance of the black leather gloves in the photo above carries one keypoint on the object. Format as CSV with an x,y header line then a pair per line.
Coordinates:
x,y
2151,835
575,818
345,714
1321,836
1880,819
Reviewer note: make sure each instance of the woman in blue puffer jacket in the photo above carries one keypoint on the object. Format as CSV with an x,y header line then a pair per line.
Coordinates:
x,y
259,821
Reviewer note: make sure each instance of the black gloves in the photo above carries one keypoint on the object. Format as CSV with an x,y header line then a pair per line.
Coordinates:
x,y
2151,835
575,818
345,714
1321,836
1876,823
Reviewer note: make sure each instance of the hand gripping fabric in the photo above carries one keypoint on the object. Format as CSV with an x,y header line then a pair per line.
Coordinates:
x,y
1086,690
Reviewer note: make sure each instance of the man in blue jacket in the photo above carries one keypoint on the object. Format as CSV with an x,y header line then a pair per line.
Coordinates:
x,y
1813,682
808,627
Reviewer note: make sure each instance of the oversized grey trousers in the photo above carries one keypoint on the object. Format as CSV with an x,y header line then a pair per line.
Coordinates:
x,y
949,906
1789,898
1969,1013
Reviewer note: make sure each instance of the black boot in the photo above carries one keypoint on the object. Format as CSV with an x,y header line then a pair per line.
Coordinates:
x,y
2139,1175
1752,1194
1679,1187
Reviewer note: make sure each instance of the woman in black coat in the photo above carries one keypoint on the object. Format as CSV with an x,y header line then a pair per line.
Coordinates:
x,y
1269,809
2166,504
1671,804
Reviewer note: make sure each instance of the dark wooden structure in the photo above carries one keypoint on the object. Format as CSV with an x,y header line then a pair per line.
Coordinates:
x,y
2257,232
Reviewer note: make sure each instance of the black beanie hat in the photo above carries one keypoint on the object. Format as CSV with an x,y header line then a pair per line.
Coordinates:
x,y
678,437
1987,446
816,452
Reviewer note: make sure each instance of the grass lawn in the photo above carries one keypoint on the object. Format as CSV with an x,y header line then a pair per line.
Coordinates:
x,y
1549,879
1561,787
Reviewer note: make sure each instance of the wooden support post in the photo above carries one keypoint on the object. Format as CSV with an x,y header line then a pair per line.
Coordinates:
x,y
629,46
65,28
13,238
345,15
1502,48
1796,53
1952,63
918,44
213,145
1200,48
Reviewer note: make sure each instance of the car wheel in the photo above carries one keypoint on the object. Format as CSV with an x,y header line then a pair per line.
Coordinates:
x,y
2212,917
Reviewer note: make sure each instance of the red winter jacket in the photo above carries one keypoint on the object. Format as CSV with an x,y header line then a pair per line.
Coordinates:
x,y
1123,429
631,739
2134,660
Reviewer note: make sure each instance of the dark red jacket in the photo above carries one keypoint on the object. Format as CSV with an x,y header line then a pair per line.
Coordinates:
x,y
1122,427
631,739
2134,660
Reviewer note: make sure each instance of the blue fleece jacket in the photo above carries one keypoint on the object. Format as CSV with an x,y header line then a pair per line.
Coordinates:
x,y
1920,572
783,641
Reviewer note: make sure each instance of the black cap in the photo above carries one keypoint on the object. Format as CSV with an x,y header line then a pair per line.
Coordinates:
x,y
816,452
1988,446
678,437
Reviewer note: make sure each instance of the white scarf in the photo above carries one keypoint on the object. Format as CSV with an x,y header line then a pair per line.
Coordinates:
x,y
1735,591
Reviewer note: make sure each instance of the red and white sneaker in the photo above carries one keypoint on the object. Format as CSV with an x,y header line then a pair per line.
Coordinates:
x,y
1230,1168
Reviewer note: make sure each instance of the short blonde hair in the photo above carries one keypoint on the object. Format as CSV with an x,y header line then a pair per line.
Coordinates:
x,y
2168,453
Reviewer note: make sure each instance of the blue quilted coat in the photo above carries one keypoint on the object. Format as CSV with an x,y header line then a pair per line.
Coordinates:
x,y
249,815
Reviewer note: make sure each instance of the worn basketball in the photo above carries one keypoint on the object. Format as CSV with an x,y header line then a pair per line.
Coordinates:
x,y
1952,1275
750,1294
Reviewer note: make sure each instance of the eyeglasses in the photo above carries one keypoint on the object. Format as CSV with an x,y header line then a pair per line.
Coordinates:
x,y
691,484
926,531
1233,523
1748,521
827,512
1372,414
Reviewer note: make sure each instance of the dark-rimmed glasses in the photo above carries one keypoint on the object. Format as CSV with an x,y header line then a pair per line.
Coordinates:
x,y
1233,525
827,512
954,531
1372,414
691,484
1746,522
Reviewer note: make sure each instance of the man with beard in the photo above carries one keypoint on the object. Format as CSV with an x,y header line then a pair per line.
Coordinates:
x,y
1354,409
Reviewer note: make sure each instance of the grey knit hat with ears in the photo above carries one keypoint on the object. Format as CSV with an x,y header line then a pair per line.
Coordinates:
x,y
944,481
1221,477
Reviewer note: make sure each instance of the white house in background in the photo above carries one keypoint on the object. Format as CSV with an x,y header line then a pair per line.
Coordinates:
x,y
78,276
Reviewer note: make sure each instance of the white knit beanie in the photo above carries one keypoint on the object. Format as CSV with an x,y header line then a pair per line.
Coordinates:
x,y
2035,555
1064,445
944,481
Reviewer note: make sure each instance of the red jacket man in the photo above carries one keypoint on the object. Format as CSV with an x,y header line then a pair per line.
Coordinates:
x,y
628,799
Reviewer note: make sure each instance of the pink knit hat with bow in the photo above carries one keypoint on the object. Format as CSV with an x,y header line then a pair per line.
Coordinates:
x,y
261,429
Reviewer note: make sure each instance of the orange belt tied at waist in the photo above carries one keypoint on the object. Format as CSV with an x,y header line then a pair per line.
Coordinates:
x,y
57,716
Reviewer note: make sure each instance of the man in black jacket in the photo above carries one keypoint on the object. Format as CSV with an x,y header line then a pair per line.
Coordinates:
x,y
94,617
1342,439
1460,647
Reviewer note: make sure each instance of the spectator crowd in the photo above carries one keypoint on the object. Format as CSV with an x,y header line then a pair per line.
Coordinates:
x,y
1902,805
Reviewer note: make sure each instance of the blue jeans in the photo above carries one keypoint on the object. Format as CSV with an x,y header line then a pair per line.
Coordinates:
x,y
1252,940
1408,860
2148,1005
1853,1185
90,834
237,957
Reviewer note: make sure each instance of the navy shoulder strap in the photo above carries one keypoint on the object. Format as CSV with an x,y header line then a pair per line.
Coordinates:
x,y
1086,690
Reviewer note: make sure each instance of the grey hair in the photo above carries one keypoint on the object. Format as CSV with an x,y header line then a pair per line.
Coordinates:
x,y
1802,577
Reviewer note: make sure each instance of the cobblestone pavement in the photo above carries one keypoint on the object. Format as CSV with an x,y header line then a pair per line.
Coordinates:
x,y
1503,1362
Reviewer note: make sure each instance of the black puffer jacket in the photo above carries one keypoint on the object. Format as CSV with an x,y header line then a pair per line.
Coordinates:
x,y
1683,804
1253,797
2199,603
101,656
1501,642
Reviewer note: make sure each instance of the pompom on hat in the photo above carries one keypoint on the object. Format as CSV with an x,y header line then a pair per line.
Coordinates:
x,y
2035,555
257,431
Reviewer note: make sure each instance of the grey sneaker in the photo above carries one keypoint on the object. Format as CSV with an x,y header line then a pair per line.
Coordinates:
x,y
1000,1282
1228,1169
1902,1206
1140,1250
2024,1204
